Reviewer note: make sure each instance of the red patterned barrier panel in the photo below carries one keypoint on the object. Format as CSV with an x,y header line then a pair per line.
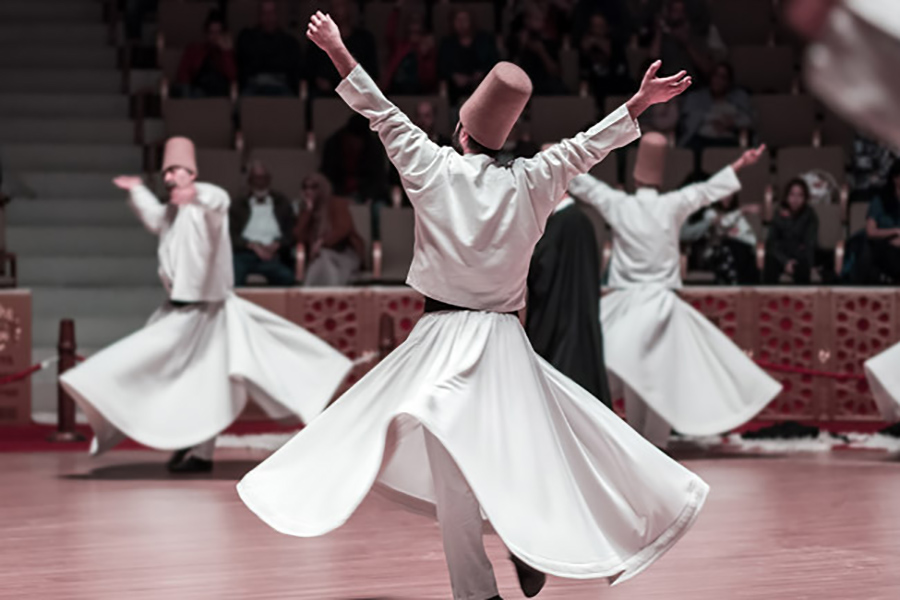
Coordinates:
x,y
818,329
15,355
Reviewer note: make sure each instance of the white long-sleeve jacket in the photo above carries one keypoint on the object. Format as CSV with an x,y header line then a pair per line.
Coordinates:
x,y
477,222
646,225
195,262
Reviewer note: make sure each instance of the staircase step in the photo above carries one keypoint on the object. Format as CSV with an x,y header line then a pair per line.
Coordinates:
x,y
57,57
97,271
72,241
59,184
68,81
50,213
71,157
75,303
67,130
53,34
64,105
32,10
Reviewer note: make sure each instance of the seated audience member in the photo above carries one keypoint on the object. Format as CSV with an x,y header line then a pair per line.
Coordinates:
x,y
536,51
412,66
324,78
686,42
614,12
207,68
268,57
725,241
870,162
334,249
262,228
883,229
354,162
793,237
715,115
603,62
466,55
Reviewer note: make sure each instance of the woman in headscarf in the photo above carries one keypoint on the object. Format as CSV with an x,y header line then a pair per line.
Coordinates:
x,y
334,249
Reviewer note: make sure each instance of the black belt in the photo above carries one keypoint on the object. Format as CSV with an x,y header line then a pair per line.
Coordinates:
x,y
432,305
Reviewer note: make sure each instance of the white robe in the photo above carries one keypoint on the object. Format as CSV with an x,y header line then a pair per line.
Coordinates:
x,y
883,373
853,66
657,346
188,374
568,486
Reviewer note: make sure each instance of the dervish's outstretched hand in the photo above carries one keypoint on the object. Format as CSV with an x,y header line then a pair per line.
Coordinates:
x,y
749,158
656,90
324,33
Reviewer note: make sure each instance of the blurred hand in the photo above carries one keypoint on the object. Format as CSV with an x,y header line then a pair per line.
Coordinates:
x,y
181,196
261,251
324,33
126,182
808,17
789,267
225,42
749,158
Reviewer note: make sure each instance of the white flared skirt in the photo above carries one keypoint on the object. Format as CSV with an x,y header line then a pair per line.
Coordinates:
x,y
569,487
883,373
188,374
688,371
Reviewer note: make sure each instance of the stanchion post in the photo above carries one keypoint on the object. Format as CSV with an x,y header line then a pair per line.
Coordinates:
x,y
65,430
387,341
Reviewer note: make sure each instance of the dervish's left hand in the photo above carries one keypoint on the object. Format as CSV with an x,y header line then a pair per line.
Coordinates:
x,y
749,158
656,90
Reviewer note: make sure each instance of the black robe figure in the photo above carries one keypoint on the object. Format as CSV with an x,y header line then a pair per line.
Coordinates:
x,y
563,317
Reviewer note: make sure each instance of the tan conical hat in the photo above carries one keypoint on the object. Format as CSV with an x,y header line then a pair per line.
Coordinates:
x,y
180,153
651,159
494,107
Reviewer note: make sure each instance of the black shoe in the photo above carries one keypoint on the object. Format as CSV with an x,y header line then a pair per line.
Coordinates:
x,y
192,465
176,458
530,580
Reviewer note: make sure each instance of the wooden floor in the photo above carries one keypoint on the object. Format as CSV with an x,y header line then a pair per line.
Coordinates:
x,y
805,527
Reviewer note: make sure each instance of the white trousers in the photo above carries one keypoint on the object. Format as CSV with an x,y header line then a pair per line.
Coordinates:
x,y
205,450
645,420
459,515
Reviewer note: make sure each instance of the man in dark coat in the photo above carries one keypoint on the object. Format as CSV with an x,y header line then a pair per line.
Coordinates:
x,y
262,228
563,317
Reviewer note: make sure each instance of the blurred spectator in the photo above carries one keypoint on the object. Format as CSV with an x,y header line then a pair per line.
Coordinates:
x,y
715,115
412,66
324,78
207,68
519,143
262,228
465,56
354,162
644,17
614,12
793,237
603,62
724,241
883,228
870,162
268,57
134,13
334,249
534,47
686,43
